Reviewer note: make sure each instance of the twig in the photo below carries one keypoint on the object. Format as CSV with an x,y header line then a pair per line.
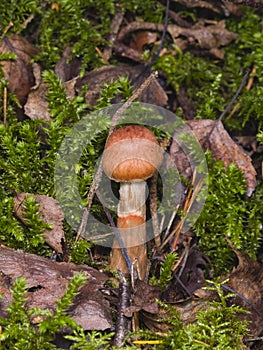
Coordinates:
x,y
123,322
248,3
115,26
116,232
248,87
10,25
242,84
170,222
102,55
187,206
5,105
153,210
163,35
97,178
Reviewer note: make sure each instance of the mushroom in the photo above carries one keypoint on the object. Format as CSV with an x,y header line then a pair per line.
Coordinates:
x,y
131,156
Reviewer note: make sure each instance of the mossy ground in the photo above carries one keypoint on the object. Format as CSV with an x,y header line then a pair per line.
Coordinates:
x,y
27,162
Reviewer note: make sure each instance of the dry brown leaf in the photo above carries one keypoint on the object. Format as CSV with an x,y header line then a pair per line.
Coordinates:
x,y
142,38
95,79
247,281
212,135
47,281
67,68
223,7
209,37
50,212
36,106
19,73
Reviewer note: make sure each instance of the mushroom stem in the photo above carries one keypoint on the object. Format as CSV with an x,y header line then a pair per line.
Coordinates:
x,y
131,223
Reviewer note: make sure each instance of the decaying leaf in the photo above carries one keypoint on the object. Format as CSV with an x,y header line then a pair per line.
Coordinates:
x,y
213,136
144,299
67,68
19,72
50,212
36,106
95,79
47,281
246,281
140,39
202,35
217,6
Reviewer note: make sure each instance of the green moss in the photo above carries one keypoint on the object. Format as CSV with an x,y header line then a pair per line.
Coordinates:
x,y
120,86
246,52
228,212
17,12
218,326
166,271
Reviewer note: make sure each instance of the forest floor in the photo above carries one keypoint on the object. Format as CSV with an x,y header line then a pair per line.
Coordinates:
x,y
71,73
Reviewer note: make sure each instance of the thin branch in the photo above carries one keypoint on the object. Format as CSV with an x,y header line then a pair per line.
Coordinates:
x,y
242,84
163,35
153,210
5,104
123,322
228,107
116,232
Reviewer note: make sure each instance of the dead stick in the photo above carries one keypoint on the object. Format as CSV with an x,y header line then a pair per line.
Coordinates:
x,y
5,104
153,209
116,231
97,178
123,322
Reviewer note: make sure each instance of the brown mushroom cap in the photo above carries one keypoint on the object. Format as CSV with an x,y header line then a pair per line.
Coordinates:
x,y
131,153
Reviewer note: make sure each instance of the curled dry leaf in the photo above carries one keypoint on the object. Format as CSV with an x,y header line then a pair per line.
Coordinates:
x,y
203,36
210,36
213,136
47,281
36,106
50,212
19,72
144,299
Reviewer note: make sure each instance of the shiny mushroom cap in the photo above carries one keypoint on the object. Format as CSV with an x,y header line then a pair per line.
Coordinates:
x,y
131,153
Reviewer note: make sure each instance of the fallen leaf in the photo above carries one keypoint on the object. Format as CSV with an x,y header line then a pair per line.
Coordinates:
x,y
208,35
50,212
203,36
67,68
142,38
19,73
47,281
144,299
246,281
224,7
36,106
212,135
95,79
